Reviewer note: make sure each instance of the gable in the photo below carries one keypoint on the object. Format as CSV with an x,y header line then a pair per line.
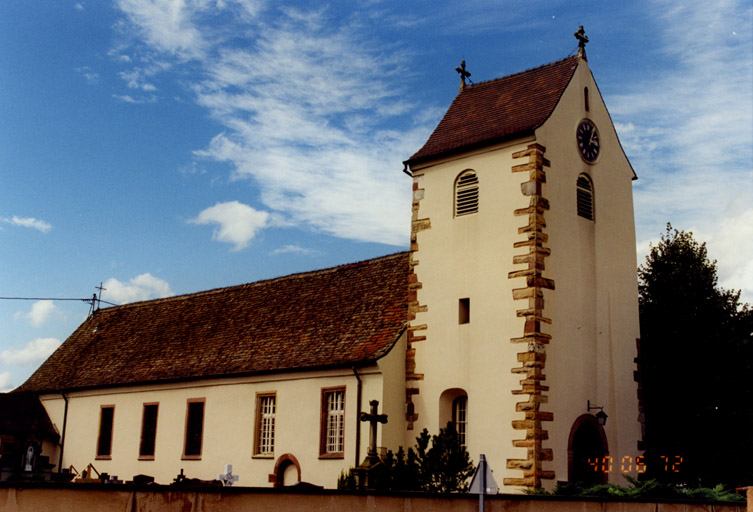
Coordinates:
x,y
343,316
493,111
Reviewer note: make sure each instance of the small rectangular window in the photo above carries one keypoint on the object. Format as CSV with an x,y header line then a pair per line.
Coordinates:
x,y
585,97
333,423
266,408
104,439
464,311
148,431
194,429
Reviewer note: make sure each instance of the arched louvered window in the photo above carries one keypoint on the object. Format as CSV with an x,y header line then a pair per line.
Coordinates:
x,y
466,193
585,196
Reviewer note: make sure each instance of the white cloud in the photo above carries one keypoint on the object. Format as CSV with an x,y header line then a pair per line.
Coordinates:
x,y
238,223
732,246
28,222
135,80
141,287
34,352
40,312
306,104
92,78
168,26
5,382
690,135
127,98
296,249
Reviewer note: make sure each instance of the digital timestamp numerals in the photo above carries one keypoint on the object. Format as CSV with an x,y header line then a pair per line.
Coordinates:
x,y
626,464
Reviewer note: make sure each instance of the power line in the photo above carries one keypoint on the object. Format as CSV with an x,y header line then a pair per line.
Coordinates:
x,y
88,301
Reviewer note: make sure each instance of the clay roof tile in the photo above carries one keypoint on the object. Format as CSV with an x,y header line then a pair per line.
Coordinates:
x,y
343,316
493,111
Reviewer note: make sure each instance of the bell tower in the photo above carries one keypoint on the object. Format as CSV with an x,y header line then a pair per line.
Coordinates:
x,y
523,292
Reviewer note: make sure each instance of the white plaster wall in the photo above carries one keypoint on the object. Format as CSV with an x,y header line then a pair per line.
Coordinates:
x,y
229,422
470,256
593,264
392,401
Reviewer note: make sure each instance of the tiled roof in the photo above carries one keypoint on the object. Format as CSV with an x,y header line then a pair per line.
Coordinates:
x,y
343,316
490,112
23,414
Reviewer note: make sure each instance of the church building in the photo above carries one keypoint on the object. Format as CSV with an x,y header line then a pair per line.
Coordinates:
x,y
514,315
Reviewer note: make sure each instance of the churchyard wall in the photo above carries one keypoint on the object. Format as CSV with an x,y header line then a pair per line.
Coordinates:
x,y
104,498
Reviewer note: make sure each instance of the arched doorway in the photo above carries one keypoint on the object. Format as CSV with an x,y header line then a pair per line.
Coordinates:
x,y
587,450
287,471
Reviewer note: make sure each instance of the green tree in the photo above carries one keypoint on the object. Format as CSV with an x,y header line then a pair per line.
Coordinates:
x,y
696,362
436,464
446,466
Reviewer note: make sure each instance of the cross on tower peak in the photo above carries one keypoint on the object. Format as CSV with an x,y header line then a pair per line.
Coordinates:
x,y
463,74
582,38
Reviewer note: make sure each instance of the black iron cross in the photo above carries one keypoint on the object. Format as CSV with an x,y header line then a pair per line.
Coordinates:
x,y
582,38
463,74
373,418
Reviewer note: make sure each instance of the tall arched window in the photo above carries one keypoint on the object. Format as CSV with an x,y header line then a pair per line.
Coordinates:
x,y
585,197
460,417
453,407
466,193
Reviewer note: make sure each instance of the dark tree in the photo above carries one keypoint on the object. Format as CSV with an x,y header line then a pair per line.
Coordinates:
x,y
436,464
697,368
446,466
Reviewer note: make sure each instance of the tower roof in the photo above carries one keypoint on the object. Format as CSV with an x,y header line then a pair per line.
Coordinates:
x,y
338,317
493,111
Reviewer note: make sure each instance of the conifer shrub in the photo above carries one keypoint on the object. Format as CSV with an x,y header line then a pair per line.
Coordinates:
x,y
437,463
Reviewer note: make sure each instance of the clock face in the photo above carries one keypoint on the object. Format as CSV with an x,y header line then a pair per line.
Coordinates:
x,y
589,144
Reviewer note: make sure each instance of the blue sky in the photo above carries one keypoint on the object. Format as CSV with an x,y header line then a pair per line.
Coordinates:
x,y
166,147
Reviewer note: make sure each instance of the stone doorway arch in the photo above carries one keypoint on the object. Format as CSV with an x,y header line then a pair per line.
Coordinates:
x,y
587,452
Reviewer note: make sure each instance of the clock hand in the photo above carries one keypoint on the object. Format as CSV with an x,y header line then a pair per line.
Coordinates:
x,y
594,140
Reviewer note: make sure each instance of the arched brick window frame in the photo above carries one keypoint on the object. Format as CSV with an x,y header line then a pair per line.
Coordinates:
x,y
283,462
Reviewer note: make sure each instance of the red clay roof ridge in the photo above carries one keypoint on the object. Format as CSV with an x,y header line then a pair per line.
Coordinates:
x,y
263,282
506,77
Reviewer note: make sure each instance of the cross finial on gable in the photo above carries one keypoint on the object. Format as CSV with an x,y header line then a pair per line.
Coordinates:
x,y
463,74
582,38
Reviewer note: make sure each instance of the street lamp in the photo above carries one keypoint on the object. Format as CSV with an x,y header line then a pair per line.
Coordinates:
x,y
601,416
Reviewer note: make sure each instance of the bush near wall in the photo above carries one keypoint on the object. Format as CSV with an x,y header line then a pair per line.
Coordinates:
x,y
444,467
645,490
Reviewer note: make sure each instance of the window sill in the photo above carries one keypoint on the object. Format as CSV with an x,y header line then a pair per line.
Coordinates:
x,y
190,457
103,457
146,457
338,455
263,456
